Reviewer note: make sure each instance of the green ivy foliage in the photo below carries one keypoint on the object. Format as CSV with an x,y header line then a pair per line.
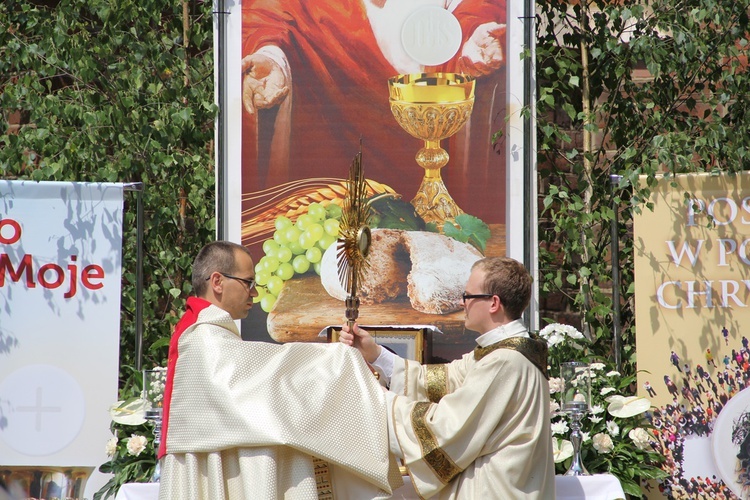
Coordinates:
x,y
119,91
667,87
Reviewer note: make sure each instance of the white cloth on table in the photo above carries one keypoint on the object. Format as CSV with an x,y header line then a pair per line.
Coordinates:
x,y
594,487
150,491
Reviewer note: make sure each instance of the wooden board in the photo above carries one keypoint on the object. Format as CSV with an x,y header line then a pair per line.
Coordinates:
x,y
304,308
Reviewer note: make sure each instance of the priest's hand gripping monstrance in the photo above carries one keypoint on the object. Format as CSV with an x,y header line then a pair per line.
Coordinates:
x,y
354,238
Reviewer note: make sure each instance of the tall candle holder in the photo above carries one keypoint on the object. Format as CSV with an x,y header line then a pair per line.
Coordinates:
x,y
153,392
576,400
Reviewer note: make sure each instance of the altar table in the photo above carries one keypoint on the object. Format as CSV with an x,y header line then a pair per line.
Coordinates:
x,y
595,487
150,491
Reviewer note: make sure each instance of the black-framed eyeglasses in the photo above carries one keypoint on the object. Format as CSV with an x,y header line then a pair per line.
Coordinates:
x,y
249,282
466,296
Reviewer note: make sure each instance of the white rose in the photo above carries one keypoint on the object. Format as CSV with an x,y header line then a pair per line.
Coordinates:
x,y
136,444
602,443
111,447
640,437
555,385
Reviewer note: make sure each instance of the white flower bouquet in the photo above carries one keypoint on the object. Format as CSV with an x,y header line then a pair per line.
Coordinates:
x,y
617,438
132,457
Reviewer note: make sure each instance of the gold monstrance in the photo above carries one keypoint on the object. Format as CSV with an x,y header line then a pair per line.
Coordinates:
x,y
432,107
354,237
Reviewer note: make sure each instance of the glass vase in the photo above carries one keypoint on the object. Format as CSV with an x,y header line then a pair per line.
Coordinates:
x,y
153,392
576,401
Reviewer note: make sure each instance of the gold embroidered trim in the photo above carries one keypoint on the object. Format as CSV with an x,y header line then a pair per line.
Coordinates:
x,y
406,377
434,456
534,348
323,479
437,382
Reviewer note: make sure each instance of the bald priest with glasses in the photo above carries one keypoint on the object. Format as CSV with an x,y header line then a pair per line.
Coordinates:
x,y
256,420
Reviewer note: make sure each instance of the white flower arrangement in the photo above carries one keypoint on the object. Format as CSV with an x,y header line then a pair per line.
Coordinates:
x,y
616,438
131,453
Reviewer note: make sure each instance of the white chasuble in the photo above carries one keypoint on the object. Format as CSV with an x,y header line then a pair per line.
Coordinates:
x,y
476,428
255,420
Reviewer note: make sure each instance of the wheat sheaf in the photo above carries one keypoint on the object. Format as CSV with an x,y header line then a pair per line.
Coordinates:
x,y
291,200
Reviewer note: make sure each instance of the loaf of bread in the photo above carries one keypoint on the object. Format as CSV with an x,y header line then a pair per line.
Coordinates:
x,y
388,266
440,268
429,269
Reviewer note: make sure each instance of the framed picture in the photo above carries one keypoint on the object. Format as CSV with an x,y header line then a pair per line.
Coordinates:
x,y
409,342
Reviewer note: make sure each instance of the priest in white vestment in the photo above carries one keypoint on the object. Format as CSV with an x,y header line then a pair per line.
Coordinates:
x,y
253,420
478,427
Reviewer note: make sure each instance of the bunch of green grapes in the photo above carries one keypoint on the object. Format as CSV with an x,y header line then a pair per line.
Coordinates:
x,y
296,248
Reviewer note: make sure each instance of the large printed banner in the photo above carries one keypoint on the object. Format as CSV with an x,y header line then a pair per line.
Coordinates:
x,y
692,273
60,271
309,89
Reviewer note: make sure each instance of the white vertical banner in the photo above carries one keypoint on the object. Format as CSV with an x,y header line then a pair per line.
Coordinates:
x,y
60,273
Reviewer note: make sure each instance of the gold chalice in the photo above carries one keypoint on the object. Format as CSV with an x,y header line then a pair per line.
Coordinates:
x,y
432,107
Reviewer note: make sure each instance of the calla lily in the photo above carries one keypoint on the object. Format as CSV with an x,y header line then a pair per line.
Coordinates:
x,y
130,412
562,449
624,407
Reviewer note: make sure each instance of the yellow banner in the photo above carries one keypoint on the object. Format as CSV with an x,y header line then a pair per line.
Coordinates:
x,y
692,298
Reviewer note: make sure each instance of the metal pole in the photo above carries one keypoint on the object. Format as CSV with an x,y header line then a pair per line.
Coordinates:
x,y
221,122
529,177
615,250
138,188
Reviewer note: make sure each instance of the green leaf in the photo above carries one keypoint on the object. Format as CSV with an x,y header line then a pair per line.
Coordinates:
x,y
468,228
390,211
